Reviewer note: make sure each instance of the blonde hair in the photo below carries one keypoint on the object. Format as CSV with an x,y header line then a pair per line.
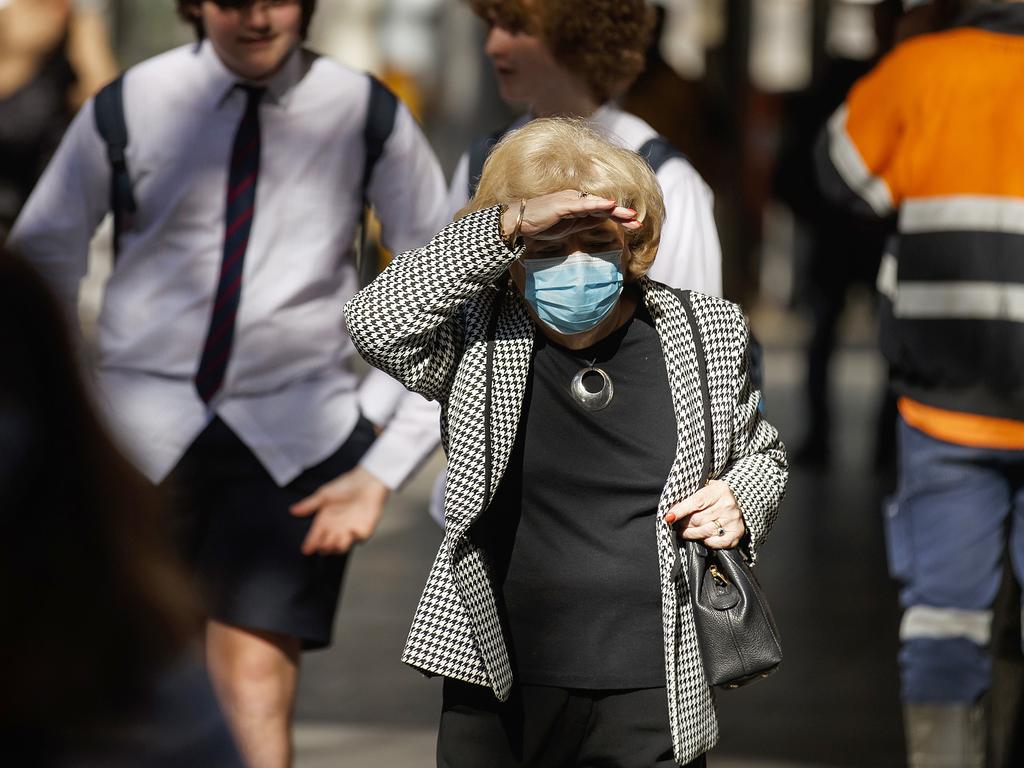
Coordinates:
x,y
551,154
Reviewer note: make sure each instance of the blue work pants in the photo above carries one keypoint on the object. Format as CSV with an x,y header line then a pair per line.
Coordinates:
x,y
956,511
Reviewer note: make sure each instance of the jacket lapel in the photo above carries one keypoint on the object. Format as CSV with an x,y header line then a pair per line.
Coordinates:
x,y
693,722
680,360
470,487
513,347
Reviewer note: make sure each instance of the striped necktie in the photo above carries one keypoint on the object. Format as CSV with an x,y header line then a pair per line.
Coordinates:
x,y
238,215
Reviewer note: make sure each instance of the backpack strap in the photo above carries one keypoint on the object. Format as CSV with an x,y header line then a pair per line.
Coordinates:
x,y
479,150
658,151
380,122
108,110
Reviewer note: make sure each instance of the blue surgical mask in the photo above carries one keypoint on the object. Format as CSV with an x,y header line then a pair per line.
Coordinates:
x,y
571,294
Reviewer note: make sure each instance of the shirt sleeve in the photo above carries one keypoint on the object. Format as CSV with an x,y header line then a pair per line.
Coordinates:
x,y
407,189
379,396
758,469
409,439
857,151
458,190
690,255
65,208
408,195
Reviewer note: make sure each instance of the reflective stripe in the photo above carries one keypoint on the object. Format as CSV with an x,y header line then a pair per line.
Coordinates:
x,y
962,300
886,280
926,622
848,162
965,213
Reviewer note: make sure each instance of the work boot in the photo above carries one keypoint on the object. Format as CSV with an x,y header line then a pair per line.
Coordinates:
x,y
945,735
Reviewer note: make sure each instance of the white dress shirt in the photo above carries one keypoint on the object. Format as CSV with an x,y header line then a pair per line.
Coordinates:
x,y
290,391
690,255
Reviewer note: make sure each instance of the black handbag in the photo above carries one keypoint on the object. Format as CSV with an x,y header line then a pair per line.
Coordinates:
x,y
738,638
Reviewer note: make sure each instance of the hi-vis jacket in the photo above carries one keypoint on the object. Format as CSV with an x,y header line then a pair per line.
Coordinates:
x,y
435,320
934,137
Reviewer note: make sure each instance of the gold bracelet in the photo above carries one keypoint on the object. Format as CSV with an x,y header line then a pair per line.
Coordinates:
x,y
511,242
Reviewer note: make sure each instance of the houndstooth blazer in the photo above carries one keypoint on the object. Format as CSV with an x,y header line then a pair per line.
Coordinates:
x,y
436,320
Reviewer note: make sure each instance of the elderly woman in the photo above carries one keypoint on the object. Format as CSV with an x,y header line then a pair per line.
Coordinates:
x,y
574,426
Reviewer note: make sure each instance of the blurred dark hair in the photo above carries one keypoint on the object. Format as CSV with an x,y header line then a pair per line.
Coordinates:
x,y
188,10
94,603
601,41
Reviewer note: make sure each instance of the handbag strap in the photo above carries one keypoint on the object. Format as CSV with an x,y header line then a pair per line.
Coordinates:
x,y
705,392
705,396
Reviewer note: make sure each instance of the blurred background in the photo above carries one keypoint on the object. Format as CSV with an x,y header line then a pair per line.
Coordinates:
x,y
742,88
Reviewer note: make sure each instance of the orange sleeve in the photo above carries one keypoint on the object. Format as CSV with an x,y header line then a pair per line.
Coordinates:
x,y
876,107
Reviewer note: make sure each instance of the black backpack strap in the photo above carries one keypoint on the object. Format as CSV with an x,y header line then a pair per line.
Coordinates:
x,y
479,150
108,109
380,122
657,151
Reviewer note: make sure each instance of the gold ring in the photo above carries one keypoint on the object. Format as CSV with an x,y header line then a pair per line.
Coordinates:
x,y
721,530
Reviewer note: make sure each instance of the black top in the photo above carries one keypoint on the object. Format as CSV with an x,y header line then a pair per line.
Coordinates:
x,y
571,531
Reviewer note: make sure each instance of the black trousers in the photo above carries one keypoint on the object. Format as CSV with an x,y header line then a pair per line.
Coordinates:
x,y
548,727
236,532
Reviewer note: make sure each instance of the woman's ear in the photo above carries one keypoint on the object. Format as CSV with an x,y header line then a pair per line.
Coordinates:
x,y
627,262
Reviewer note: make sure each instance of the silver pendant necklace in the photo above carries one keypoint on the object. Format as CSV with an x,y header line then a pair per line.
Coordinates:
x,y
592,401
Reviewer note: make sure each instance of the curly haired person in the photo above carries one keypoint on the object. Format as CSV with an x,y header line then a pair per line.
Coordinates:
x,y
571,58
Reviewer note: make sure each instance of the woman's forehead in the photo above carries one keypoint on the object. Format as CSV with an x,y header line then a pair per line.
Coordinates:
x,y
604,232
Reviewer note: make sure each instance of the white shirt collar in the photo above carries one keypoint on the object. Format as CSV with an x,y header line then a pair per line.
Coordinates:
x,y
221,80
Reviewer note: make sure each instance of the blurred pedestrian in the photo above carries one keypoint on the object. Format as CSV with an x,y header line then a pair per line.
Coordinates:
x,y
931,138
843,249
53,55
99,656
572,57
221,353
569,381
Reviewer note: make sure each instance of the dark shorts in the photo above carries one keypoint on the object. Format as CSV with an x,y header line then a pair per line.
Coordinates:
x,y
548,727
236,532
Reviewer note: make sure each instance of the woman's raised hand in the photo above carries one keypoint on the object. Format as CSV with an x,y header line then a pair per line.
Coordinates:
x,y
559,214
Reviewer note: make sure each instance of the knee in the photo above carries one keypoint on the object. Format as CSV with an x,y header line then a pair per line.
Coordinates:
x,y
255,672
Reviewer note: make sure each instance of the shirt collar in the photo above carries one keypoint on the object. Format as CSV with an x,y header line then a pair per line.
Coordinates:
x,y
221,81
605,116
